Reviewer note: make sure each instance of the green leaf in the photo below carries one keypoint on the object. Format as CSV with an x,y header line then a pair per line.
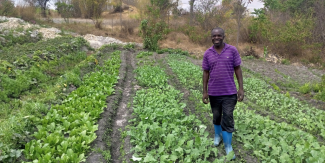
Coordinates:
x,y
149,158
230,155
173,157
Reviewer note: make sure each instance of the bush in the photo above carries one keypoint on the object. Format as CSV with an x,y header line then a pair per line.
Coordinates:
x,y
7,8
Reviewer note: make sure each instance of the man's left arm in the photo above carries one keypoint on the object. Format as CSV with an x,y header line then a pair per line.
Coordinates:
x,y
240,93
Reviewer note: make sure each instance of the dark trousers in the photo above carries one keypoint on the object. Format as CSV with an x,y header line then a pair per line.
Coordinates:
x,y
222,108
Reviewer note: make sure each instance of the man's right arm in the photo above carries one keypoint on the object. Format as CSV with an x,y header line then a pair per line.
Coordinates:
x,y
206,76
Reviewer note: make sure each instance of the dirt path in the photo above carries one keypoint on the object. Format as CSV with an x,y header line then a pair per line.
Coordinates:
x,y
110,22
123,114
115,116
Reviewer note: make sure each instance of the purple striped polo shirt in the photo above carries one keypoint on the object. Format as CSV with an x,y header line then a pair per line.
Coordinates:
x,y
221,70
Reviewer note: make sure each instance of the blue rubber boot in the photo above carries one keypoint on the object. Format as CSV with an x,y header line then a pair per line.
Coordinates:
x,y
217,135
227,137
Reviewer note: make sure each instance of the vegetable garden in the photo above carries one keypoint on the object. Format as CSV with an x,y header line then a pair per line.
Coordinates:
x,y
63,101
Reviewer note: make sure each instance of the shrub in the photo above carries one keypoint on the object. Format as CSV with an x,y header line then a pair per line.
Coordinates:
x,y
7,8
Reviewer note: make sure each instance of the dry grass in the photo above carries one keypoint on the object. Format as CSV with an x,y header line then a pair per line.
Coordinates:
x,y
26,13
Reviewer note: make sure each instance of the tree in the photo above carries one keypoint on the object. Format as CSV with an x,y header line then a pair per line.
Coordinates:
x,y
93,9
65,10
153,28
191,11
207,14
319,32
239,8
43,5
6,7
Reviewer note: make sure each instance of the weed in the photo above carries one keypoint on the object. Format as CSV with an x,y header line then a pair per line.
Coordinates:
x,y
305,88
275,87
285,61
248,57
144,53
129,46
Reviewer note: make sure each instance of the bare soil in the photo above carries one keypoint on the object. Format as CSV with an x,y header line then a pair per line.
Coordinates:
x,y
115,116
123,113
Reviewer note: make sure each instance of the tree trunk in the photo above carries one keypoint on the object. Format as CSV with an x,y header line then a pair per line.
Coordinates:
x,y
121,15
191,11
238,29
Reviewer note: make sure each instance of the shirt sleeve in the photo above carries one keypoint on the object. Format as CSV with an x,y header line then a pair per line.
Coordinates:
x,y
237,59
205,63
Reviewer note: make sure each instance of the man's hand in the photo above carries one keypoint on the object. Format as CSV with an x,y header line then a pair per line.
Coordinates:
x,y
205,98
240,95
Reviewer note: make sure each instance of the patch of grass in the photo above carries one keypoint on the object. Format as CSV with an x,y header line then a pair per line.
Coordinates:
x,y
248,57
144,53
285,62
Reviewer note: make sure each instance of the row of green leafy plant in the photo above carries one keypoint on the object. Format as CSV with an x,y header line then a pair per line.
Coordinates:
x,y
18,36
281,105
16,125
35,69
270,141
258,91
161,131
65,133
188,74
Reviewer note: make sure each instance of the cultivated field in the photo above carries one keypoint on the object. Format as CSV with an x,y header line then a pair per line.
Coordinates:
x,y
63,101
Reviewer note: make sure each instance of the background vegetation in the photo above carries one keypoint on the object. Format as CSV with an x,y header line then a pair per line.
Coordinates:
x,y
292,29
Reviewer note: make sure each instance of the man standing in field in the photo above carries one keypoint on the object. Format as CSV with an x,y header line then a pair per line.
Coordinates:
x,y
220,62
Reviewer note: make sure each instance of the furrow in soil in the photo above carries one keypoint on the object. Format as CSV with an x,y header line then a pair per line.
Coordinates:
x,y
123,113
105,123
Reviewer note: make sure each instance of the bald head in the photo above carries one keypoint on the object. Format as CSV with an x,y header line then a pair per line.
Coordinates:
x,y
218,29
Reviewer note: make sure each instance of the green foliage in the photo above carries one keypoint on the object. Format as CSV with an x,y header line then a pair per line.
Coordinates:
x,y
160,51
7,7
74,118
291,6
151,76
151,33
59,46
129,46
65,10
12,37
285,61
306,88
282,37
267,138
169,134
154,27
184,70
111,46
144,54
178,52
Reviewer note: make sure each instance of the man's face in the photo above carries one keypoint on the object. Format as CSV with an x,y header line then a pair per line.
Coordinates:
x,y
217,37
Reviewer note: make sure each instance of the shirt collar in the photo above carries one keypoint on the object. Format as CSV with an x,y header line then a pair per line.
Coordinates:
x,y
224,48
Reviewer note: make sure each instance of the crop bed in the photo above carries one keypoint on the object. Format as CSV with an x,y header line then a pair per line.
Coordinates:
x,y
122,104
